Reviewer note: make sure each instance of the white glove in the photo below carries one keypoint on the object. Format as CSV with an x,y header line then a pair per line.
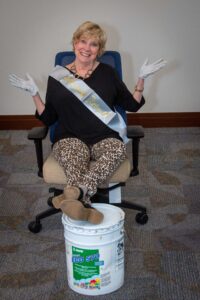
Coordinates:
x,y
26,85
149,69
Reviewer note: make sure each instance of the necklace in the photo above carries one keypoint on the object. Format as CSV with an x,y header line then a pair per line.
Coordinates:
x,y
87,74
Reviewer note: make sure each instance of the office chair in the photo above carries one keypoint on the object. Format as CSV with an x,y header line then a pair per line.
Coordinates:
x,y
52,173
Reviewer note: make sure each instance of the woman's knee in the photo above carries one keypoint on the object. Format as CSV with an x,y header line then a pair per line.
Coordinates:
x,y
110,146
69,148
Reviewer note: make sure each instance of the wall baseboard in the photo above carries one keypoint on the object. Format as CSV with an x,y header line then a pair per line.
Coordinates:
x,y
151,120
148,120
17,122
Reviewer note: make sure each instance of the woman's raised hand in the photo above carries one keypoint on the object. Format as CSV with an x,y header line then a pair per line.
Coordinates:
x,y
149,69
25,84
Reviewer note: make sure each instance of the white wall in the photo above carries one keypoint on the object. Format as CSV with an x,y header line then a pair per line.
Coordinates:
x,y
31,32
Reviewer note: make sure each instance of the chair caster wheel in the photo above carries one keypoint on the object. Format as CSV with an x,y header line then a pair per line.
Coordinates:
x,y
141,218
35,226
49,201
52,190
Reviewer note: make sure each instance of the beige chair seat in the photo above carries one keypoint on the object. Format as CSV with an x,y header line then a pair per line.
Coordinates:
x,y
54,174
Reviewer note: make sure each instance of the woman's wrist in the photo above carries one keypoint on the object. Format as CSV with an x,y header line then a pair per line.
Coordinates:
x,y
39,104
140,84
137,89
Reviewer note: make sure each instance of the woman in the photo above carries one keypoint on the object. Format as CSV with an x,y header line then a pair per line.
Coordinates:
x,y
81,97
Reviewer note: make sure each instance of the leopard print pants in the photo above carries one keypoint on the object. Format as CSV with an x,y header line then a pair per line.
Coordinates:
x,y
74,156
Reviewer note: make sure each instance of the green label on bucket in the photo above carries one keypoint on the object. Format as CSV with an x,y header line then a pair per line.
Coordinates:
x,y
86,270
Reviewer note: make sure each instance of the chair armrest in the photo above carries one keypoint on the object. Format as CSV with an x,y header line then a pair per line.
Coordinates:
x,y
135,133
37,134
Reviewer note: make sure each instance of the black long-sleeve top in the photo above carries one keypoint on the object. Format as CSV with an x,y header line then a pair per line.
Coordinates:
x,y
76,120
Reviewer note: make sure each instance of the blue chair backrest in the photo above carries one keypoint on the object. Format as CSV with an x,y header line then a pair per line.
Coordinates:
x,y
112,58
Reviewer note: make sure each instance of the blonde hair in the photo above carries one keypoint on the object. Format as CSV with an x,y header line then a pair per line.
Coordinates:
x,y
91,30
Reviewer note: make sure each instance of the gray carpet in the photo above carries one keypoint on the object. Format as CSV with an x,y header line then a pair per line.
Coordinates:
x,y
162,258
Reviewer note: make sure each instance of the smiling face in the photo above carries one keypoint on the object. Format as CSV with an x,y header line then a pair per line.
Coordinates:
x,y
88,41
86,49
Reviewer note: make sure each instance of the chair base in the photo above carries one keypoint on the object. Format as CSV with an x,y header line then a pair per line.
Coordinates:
x,y
101,196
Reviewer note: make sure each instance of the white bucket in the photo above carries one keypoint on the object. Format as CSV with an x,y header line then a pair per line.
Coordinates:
x,y
95,253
